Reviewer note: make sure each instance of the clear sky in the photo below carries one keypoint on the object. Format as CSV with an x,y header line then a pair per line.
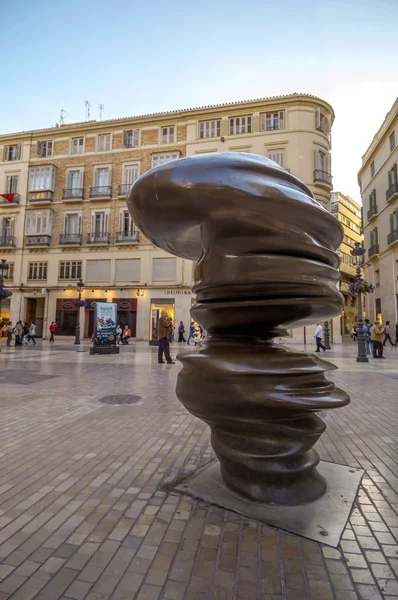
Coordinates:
x,y
139,57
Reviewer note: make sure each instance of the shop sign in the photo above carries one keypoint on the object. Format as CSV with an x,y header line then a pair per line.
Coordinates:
x,y
178,292
91,302
105,324
126,304
65,304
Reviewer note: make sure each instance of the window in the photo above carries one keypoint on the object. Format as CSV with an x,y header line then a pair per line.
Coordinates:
x,y
77,145
209,129
44,149
322,122
74,179
392,176
346,258
12,152
372,199
73,223
160,159
323,161
38,222
130,174
164,269
98,271
126,223
272,121
9,274
127,269
240,125
394,221
70,269
11,184
37,270
374,238
277,156
7,228
392,141
101,176
100,222
131,138
167,134
378,309
104,142
41,178
372,168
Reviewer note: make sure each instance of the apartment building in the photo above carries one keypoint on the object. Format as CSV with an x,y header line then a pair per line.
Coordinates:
x,y
72,221
348,212
378,180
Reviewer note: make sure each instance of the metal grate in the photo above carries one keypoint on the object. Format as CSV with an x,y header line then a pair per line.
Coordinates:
x,y
121,399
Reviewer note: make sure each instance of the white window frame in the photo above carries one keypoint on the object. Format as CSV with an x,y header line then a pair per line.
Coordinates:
x,y
240,125
268,119
326,165
322,121
11,155
103,135
35,217
135,137
131,226
11,187
97,168
39,269
70,265
82,146
157,159
9,274
11,229
209,129
38,173
126,166
70,170
106,219
167,134
278,156
67,215
45,148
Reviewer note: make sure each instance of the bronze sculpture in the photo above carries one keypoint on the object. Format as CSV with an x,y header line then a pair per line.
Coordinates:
x,y
265,260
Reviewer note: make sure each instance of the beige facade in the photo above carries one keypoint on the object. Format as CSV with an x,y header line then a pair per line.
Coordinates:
x,y
72,221
378,181
348,212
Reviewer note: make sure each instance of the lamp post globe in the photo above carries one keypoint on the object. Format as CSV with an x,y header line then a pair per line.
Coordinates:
x,y
358,259
80,286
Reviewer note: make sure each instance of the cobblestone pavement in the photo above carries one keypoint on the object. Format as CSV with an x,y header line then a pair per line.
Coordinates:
x,y
81,511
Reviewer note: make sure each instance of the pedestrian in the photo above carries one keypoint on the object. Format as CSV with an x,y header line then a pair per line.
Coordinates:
x,y
171,330
191,332
366,330
318,335
376,334
354,332
32,333
164,335
396,334
119,334
387,334
181,331
126,335
18,333
10,331
53,329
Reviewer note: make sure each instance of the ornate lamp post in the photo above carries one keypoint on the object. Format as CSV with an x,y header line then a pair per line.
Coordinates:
x,y
3,271
326,332
358,258
80,286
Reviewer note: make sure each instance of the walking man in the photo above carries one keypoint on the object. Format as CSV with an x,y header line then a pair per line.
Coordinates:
x,y
387,334
32,333
10,330
164,334
181,331
376,334
367,329
318,335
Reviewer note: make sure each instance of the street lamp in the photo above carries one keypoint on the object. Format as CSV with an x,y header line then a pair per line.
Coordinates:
x,y
3,272
80,286
358,258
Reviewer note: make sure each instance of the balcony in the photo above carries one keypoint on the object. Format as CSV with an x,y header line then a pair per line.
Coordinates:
x,y
7,241
373,250
41,197
373,210
98,238
392,237
123,189
102,191
10,199
38,240
129,237
70,239
323,178
392,192
73,194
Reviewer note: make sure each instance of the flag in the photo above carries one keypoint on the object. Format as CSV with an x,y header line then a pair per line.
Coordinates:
x,y
8,197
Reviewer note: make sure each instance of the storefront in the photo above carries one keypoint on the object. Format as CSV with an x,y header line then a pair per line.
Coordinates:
x,y
66,316
127,313
157,306
5,308
89,316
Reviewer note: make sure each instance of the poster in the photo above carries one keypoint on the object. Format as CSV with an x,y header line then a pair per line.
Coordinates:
x,y
155,318
105,324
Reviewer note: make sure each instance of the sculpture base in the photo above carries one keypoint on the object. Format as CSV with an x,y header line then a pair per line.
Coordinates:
x,y
322,521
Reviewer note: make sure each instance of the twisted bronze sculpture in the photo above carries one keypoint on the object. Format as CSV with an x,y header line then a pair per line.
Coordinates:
x,y
265,260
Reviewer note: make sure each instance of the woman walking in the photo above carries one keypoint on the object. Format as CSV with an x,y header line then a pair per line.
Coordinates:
x,y
53,329
387,334
181,331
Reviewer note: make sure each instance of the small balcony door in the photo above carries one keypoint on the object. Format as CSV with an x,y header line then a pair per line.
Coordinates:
x,y
11,184
7,227
74,180
126,224
102,177
73,224
100,223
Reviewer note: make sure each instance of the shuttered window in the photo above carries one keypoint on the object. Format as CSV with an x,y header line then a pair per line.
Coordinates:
x,y
127,269
98,271
277,156
240,125
164,269
104,142
130,174
272,121
77,145
131,138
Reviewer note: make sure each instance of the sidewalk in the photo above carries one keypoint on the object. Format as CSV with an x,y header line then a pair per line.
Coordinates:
x,y
82,515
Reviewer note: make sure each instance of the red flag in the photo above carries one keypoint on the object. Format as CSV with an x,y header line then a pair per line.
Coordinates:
x,y
8,197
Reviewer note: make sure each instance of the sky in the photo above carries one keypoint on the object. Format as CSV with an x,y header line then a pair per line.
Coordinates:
x,y
142,57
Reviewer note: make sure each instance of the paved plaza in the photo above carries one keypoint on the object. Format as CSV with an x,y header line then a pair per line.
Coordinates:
x,y
84,514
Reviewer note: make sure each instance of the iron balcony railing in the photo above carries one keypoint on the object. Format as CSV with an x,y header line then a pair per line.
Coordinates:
x,y
102,191
98,238
38,240
73,194
66,239
127,236
323,177
373,250
373,210
8,240
392,191
123,189
392,237
43,196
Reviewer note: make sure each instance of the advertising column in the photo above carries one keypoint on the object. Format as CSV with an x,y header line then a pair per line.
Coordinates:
x,y
104,337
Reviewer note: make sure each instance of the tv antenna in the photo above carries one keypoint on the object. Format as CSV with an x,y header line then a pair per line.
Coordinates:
x,y
100,108
62,116
87,104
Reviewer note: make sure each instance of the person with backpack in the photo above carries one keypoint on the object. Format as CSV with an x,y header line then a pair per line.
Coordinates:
x,y
366,330
387,334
